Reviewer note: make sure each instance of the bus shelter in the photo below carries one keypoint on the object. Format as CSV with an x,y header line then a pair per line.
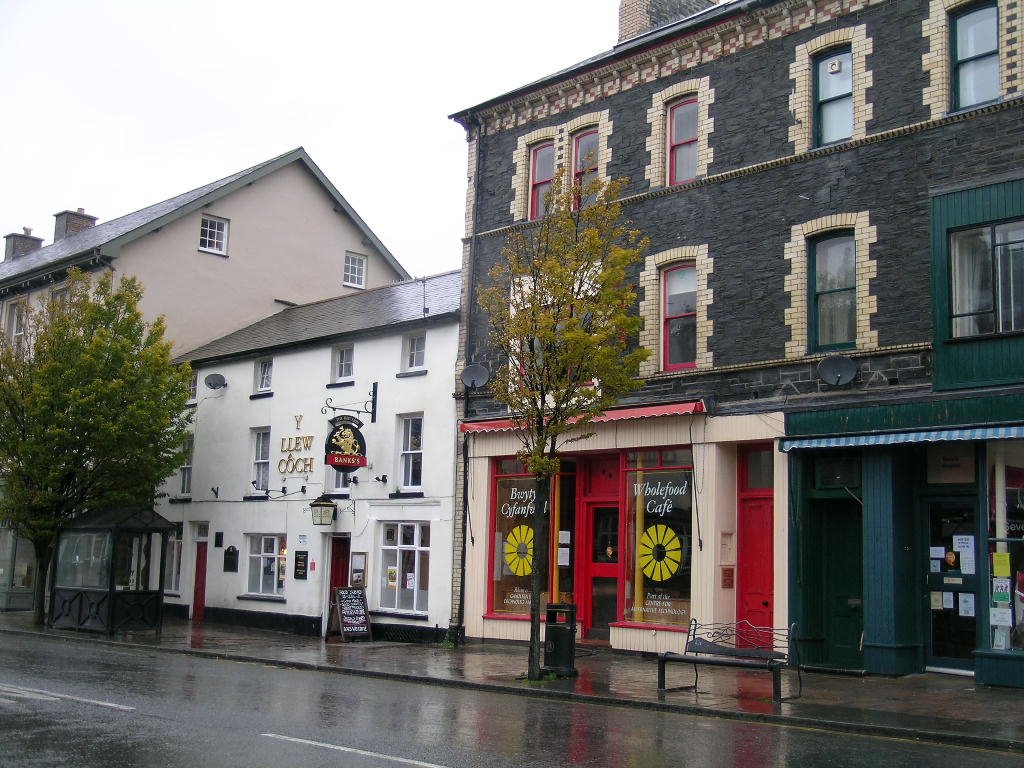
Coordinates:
x,y
109,572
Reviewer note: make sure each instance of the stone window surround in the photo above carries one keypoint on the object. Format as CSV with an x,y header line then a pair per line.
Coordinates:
x,y
937,95
658,116
801,72
562,137
796,282
651,305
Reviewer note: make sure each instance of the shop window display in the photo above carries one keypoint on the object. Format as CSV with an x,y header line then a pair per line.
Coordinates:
x,y
659,504
1006,547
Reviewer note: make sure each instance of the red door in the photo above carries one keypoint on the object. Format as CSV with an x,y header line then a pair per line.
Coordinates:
x,y
199,591
755,552
340,546
600,570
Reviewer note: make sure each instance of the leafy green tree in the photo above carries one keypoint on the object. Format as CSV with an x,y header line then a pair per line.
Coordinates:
x,y
561,311
92,411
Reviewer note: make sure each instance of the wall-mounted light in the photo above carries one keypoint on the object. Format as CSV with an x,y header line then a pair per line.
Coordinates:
x,y
323,510
382,479
353,480
215,490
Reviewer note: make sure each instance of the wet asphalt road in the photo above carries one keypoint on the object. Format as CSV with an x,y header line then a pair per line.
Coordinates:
x,y
93,706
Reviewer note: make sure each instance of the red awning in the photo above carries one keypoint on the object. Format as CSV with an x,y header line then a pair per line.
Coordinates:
x,y
640,412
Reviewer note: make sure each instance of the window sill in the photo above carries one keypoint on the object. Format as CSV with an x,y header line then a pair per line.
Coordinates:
x,y
355,285
406,495
180,500
260,395
265,497
339,384
398,614
984,337
410,374
336,495
262,598
192,403
222,254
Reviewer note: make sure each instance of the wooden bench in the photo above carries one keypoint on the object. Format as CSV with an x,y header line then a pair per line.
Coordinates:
x,y
737,644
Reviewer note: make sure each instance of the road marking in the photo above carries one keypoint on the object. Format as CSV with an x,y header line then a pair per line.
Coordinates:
x,y
354,751
35,693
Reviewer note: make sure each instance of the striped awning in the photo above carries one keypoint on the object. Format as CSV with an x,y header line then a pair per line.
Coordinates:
x,y
895,438
640,412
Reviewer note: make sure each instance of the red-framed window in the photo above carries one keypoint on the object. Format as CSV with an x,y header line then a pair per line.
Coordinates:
x,y
679,336
658,536
682,141
542,174
585,148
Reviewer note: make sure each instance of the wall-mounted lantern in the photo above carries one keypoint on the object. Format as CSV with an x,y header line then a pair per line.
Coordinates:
x,y
324,510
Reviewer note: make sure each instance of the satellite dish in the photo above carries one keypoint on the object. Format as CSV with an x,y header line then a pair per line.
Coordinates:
x,y
475,375
215,381
836,370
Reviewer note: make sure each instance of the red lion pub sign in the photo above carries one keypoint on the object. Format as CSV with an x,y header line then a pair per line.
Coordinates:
x,y
345,447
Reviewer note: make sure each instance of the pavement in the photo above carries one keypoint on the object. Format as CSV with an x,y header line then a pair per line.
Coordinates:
x,y
928,707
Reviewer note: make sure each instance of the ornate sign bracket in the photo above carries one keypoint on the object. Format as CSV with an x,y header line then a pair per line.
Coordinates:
x,y
369,407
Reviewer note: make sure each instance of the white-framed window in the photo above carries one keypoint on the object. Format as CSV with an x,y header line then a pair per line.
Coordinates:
x,y
172,559
355,270
268,556
412,451
261,458
264,375
16,322
185,470
336,482
414,348
405,566
193,386
343,361
213,235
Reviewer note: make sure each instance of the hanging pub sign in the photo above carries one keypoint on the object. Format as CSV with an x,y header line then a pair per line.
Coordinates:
x,y
345,448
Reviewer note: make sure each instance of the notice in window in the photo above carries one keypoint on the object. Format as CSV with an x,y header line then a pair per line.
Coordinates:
x,y
966,604
936,601
1001,617
947,600
1001,564
1001,591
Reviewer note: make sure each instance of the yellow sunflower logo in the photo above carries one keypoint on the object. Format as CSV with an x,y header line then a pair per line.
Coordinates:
x,y
519,550
660,552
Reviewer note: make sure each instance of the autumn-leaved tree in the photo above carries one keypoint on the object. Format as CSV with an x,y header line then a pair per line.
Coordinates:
x,y
91,410
562,316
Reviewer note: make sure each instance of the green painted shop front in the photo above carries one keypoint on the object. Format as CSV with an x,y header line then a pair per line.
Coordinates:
x,y
907,541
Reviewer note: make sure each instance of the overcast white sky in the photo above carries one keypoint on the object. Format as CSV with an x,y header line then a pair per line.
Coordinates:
x,y
113,105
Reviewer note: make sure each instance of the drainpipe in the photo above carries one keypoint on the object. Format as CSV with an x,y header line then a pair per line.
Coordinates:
x,y
461,613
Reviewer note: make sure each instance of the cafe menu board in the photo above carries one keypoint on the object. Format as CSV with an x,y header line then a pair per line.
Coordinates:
x,y
355,619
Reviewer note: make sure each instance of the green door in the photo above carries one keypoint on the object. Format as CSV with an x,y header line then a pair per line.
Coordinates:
x,y
843,583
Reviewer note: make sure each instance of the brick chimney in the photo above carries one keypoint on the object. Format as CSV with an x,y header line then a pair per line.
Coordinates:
x,y
17,245
70,222
639,16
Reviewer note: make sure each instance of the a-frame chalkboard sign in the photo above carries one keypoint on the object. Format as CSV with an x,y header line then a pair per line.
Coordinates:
x,y
349,613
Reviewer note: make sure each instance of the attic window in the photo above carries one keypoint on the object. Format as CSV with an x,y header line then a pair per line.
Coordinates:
x,y
213,235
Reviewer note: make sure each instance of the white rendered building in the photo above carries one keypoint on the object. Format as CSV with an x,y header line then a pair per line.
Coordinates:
x,y
248,550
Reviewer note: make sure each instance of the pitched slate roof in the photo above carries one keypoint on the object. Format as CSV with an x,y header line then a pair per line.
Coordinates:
x,y
400,304
106,239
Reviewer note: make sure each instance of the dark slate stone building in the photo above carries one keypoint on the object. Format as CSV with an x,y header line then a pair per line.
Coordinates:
x,y
833,300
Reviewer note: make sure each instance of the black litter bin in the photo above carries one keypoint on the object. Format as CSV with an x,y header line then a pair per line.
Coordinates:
x,y
560,640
